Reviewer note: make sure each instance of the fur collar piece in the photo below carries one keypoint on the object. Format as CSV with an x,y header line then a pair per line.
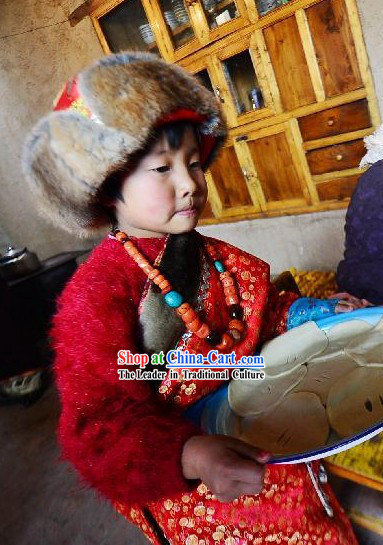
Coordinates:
x,y
374,145
161,325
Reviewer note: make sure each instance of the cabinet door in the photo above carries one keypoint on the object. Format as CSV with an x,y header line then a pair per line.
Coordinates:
x,y
174,26
124,25
214,19
337,188
267,6
229,193
289,61
334,47
203,69
241,82
279,172
346,118
335,158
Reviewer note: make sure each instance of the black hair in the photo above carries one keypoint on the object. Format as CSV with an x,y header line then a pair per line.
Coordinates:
x,y
111,188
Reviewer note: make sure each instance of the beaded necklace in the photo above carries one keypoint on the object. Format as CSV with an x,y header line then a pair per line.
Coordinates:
x,y
189,316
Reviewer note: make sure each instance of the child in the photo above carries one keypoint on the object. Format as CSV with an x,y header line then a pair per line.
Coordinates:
x,y
132,145
361,271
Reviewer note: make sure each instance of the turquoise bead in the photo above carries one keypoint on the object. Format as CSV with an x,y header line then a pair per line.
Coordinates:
x,y
173,299
219,266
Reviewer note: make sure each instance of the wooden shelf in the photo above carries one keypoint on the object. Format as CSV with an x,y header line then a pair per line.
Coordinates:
x,y
174,32
273,10
224,3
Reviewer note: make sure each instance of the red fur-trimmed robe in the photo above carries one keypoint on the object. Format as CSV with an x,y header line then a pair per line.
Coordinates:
x,y
126,437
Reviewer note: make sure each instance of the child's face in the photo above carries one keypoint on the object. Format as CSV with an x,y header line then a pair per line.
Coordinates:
x,y
166,193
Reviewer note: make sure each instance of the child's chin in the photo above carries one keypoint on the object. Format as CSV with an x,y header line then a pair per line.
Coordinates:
x,y
180,230
183,225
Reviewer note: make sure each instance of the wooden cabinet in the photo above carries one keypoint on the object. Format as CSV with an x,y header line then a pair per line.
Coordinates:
x,y
293,80
335,47
335,158
290,64
342,119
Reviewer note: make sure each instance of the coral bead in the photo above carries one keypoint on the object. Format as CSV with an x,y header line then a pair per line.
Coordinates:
x,y
158,279
203,331
230,290
164,284
153,274
238,325
189,316
183,308
132,250
224,275
226,343
194,325
122,237
226,282
166,290
147,269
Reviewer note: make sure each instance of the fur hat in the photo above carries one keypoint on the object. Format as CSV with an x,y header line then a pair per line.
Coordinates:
x,y
103,117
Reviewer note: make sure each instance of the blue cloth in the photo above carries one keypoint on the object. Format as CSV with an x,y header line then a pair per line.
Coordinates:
x,y
361,271
305,309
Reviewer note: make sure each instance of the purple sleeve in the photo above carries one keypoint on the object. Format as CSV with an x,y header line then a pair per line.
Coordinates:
x,y
361,271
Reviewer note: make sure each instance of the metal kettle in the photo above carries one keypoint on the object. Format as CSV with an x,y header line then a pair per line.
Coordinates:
x,y
17,262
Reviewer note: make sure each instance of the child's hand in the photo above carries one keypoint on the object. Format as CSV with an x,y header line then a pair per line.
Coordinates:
x,y
349,302
229,467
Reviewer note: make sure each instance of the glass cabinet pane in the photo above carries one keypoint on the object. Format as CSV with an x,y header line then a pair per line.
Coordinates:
x,y
204,78
127,27
264,6
243,82
219,12
177,20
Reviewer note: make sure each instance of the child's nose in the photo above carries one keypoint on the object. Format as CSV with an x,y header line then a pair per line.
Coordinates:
x,y
187,184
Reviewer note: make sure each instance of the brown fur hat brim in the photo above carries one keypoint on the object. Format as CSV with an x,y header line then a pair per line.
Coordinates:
x,y
68,156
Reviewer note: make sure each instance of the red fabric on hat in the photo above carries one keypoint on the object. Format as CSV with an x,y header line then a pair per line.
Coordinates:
x,y
69,94
183,114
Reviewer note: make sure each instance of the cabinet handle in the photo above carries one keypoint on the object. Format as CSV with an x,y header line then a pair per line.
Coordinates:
x,y
339,157
331,122
247,175
217,92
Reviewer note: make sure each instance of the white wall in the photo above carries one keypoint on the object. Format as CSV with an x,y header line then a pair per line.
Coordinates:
x,y
308,241
371,14
35,63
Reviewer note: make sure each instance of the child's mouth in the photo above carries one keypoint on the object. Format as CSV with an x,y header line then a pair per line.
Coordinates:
x,y
188,212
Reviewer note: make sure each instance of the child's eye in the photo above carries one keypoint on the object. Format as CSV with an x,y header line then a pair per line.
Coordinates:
x,y
161,170
195,164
